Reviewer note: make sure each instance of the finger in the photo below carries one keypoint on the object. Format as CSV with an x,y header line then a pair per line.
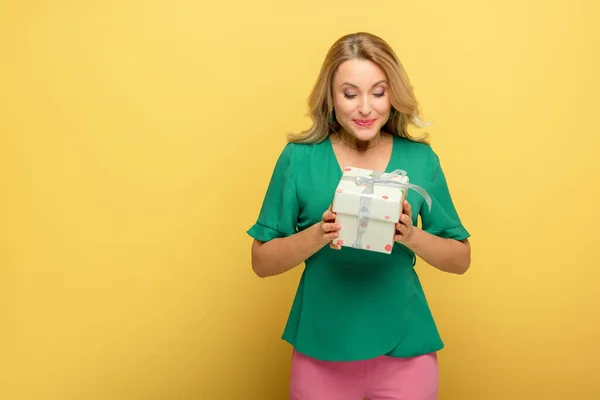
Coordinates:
x,y
329,216
330,209
406,220
331,236
407,209
401,231
330,227
399,227
403,220
335,246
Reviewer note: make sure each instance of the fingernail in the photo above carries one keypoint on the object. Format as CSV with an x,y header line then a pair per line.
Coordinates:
x,y
338,227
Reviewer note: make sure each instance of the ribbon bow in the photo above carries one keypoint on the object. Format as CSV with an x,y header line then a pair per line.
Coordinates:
x,y
388,180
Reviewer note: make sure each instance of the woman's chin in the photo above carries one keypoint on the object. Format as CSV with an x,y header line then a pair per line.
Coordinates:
x,y
365,135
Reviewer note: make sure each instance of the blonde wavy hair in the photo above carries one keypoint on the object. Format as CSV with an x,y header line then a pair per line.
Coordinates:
x,y
365,46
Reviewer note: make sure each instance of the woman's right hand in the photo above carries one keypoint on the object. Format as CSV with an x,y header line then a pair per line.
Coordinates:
x,y
328,229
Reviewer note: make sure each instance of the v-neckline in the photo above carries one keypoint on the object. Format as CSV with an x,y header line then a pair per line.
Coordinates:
x,y
340,168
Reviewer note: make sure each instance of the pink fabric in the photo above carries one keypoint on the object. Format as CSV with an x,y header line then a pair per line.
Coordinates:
x,y
381,378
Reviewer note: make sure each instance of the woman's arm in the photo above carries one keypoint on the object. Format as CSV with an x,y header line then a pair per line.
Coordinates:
x,y
282,254
447,255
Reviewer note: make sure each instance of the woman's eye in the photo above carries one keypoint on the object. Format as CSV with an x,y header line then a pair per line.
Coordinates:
x,y
349,96
379,94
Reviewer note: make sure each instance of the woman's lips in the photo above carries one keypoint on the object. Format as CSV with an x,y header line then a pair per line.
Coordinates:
x,y
364,122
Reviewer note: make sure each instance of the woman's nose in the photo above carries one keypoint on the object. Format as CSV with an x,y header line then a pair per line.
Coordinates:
x,y
365,107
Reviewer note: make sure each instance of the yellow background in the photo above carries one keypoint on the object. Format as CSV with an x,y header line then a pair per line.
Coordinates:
x,y
137,140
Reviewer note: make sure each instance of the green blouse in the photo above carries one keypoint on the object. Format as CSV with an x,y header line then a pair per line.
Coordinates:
x,y
356,304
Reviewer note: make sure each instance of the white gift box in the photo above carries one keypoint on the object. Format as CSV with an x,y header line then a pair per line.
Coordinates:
x,y
368,204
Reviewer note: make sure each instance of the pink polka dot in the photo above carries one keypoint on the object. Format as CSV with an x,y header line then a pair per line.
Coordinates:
x,y
339,190
384,197
348,169
387,217
368,247
388,247
340,242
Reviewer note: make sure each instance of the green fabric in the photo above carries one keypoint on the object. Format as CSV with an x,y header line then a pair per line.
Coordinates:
x,y
356,304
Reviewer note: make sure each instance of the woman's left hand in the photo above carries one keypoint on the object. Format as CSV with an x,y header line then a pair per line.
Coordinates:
x,y
404,228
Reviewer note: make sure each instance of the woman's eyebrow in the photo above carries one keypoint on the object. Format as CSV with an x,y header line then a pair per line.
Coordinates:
x,y
356,87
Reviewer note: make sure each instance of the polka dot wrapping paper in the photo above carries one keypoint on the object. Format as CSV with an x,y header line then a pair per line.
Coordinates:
x,y
368,204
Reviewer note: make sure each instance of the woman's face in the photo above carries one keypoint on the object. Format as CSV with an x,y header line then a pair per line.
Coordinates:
x,y
361,98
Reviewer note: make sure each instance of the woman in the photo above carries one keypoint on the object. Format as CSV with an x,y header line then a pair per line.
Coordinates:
x,y
359,324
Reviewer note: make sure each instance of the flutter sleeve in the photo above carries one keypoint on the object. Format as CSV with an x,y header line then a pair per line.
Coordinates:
x,y
443,219
278,215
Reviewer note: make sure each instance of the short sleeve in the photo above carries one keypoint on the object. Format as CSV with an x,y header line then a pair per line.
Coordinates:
x,y
278,215
443,219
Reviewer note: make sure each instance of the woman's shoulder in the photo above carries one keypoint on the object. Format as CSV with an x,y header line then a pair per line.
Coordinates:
x,y
300,149
295,154
413,148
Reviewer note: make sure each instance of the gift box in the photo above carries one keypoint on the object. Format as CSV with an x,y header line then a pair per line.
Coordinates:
x,y
368,204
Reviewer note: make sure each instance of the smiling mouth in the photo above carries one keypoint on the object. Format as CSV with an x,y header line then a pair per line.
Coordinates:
x,y
364,122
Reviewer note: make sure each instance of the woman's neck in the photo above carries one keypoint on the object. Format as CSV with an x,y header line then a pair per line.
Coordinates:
x,y
352,142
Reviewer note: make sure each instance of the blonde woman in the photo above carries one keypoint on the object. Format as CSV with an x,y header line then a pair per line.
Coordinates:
x,y
360,324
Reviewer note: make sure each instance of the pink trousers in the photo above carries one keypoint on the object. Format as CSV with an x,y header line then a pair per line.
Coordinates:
x,y
381,378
